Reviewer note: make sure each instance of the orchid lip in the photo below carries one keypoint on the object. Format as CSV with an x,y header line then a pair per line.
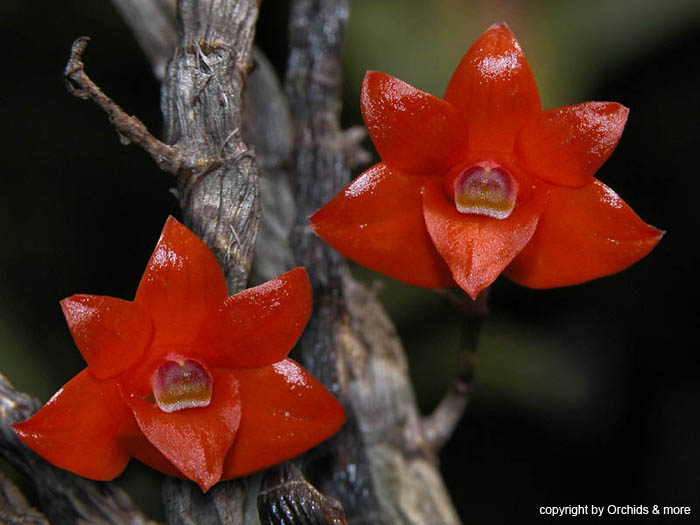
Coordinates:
x,y
485,189
180,383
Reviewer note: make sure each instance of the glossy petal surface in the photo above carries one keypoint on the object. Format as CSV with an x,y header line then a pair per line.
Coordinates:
x,y
566,146
194,440
478,248
260,325
494,88
111,334
583,234
485,188
377,220
182,284
413,131
78,429
161,383
287,411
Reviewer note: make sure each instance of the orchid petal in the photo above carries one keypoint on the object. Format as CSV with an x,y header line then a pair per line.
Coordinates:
x,y
413,131
477,248
566,146
111,334
377,221
182,284
495,90
258,326
138,447
287,411
583,234
194,440
79,428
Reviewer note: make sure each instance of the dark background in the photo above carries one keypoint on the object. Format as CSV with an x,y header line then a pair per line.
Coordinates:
x,y
585,395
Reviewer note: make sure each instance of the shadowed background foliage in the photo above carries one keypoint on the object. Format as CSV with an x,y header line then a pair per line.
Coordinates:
x,y
585,395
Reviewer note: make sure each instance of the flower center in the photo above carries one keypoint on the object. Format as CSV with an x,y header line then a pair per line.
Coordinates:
x,y
181,383
485,190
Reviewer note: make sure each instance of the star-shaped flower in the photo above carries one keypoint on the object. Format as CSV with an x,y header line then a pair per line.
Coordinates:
x,y
484,182
188,380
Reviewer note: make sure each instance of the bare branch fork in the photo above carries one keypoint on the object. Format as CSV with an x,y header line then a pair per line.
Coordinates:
x,y
130,129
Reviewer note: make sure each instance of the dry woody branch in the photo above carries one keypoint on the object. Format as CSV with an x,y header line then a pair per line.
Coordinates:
x,y
252,158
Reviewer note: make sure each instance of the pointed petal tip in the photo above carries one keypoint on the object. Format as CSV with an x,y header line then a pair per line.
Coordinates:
x,y
304,282
68,303
477,249
473,293
183,282
654,237
471,287
77,429
267,319
655,234
299,270
566,146
586,233
18,429
498,25
111,334
494,89
171,223
207,482
369,73
412,130
173,226
195,440
28,435
501,27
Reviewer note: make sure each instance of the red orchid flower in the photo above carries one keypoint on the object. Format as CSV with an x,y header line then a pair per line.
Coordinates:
x,y
484,182
188,380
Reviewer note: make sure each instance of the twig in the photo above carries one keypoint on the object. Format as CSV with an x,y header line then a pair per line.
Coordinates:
x,y
130,128
439,426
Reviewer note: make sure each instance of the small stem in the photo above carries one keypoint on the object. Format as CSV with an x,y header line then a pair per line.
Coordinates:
x,y
130,128
439,426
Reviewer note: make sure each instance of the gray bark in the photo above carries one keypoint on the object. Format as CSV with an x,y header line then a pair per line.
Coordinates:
x,y
201,99
380,467
14,507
